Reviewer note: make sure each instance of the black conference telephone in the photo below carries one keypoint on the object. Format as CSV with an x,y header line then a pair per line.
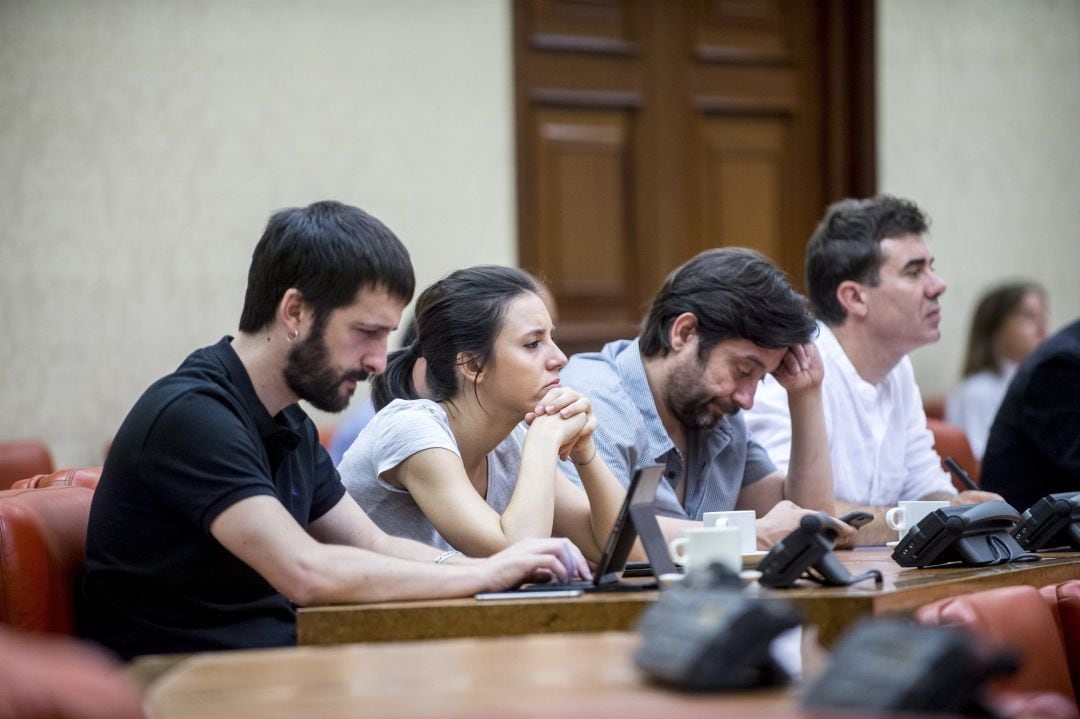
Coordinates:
x,y
889,665
974,534
807,553
1053,521
712,638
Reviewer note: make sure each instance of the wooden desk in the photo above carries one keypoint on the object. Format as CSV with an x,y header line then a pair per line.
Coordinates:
x,y
570,675
904,590
452,618
832,609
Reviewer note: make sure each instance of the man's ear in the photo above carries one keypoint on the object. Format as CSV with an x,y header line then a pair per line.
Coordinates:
x,y
683,330
469,368
293,312
852,298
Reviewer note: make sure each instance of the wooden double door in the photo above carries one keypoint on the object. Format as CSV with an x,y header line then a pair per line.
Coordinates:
x,y
649,130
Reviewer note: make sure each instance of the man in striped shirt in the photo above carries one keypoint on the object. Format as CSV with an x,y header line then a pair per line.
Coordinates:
x,y
674,396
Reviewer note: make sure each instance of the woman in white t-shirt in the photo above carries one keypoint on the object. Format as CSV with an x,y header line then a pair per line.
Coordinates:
x,y
1009,323
459,469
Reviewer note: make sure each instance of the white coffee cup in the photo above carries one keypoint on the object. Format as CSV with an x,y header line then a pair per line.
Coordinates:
x,y
908,513
699,547
743,519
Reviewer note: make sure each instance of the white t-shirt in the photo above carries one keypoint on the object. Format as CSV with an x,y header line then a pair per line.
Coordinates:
x,y
880,448
974,403
398,431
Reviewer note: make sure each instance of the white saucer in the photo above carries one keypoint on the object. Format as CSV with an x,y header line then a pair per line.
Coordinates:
x,y
749,576
669,580
892,544
751,559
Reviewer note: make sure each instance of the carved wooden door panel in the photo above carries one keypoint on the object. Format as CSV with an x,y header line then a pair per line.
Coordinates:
x,y
649,130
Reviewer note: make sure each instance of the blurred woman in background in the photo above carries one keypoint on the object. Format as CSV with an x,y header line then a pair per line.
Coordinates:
x,y
1009,323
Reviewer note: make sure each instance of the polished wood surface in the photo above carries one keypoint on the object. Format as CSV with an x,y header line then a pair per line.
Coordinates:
x,y
832,609
583,675
449,618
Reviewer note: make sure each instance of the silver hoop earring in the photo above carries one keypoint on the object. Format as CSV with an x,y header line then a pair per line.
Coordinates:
x,y
292,335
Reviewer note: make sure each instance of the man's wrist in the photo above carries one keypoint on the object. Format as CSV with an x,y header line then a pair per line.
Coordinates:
x,y
803,393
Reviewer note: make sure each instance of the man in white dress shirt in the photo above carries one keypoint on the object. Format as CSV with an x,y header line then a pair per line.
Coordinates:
x,y
872,285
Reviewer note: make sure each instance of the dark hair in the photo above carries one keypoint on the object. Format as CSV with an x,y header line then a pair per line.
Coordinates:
x,y
460,315
328,251
993,309
846,246
734,293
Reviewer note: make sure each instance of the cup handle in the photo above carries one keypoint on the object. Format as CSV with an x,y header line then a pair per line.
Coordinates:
x,y
676,547
895,519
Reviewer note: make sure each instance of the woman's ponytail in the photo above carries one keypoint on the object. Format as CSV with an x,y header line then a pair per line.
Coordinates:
x,y
396,382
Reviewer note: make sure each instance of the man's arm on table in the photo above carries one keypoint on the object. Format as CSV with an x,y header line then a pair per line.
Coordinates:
x,y
774,521
347,558
776,516
873,534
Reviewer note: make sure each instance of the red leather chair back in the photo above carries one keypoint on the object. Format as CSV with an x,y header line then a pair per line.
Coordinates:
x,y
934,407
73,477
1065,598
21,459
1020,618
950,441
42,546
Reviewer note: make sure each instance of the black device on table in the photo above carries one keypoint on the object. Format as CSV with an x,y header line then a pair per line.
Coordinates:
x,y
974,534
857,518
703,635
638,569
644,569
1053,521
636,518
807,553
889,665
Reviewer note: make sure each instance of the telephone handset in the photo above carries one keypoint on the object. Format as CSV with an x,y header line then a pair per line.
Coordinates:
x,y
706,636
894,666
974,534
1053,521
806,553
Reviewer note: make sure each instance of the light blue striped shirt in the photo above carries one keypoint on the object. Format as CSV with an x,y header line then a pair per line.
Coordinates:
x,y
630,435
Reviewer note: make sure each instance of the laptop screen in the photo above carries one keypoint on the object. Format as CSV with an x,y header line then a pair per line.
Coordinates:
x,y
636,518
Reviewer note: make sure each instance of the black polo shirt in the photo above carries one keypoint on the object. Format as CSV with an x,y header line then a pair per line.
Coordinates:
x,y
196,442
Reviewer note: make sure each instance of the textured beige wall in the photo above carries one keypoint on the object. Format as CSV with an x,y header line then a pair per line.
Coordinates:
x,y
143,146
979,122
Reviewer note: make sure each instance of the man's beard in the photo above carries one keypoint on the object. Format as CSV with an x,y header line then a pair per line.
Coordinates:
x,y
310,375
691,406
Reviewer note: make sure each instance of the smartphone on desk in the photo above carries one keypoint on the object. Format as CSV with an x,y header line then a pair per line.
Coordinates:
x,y
535,594
857,518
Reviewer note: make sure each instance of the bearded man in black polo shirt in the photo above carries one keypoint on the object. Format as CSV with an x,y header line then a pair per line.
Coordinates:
x,y
218,512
